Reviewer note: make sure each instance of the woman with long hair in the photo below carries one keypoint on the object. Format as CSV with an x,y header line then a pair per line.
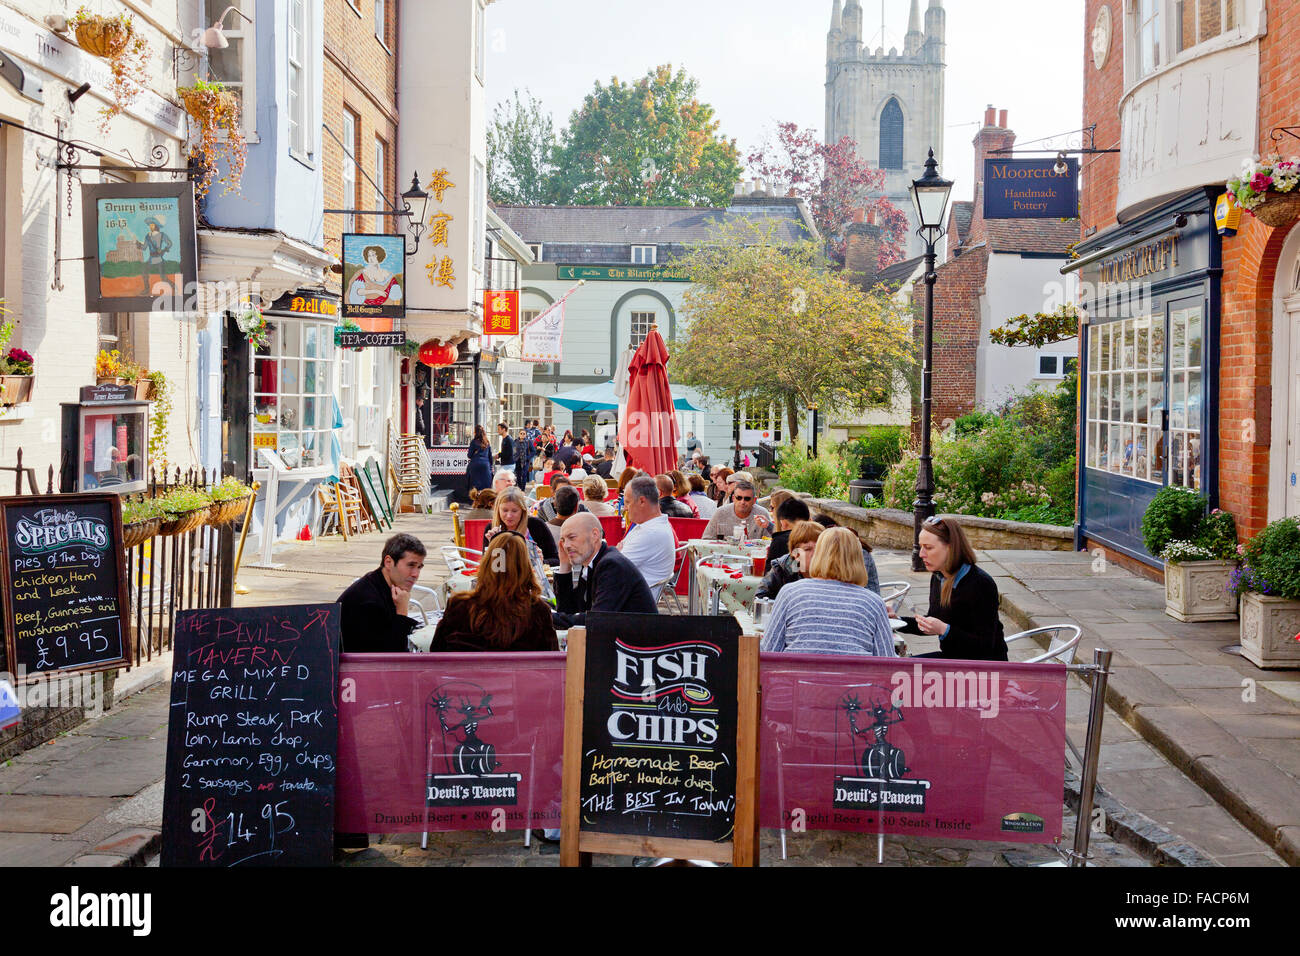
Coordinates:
x,y
505,611
479,470
511,514
831,611
963,610
718,490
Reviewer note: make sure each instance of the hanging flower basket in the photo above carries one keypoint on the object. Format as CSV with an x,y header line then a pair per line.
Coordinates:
x,y
216,111
139,532
1279,209
1268,190
174,524
103,36
116,40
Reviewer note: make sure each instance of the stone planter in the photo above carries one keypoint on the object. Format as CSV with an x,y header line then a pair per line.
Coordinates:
x,y
1198,591
1269,626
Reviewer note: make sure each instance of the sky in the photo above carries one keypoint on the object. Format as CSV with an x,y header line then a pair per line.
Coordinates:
x,y
759,63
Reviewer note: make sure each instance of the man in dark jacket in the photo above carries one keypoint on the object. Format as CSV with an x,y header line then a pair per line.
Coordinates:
x,y
506,456
606,581
374,618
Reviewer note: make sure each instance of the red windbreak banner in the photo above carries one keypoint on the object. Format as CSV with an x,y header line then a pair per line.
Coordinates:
x,y
472,741
965,749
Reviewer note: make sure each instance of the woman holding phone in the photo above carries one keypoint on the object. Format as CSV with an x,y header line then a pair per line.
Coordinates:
x,y
963,610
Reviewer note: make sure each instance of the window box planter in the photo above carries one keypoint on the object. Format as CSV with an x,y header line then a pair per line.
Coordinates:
x,y
17,389
1269,626
1198,591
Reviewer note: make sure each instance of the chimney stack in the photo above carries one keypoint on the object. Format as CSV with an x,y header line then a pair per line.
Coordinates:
x,y
990,115
1002,119
994,136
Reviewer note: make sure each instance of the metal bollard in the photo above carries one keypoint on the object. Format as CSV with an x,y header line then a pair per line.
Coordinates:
x,y
1092,754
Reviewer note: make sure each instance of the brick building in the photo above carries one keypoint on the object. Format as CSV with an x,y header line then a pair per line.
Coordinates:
x,y
993,270
1191,359
358,159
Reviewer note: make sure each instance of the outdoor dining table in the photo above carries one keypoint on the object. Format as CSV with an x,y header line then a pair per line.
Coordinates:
x,y
737,590
700,549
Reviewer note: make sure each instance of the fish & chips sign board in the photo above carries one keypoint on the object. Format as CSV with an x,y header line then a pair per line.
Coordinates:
x,y
660,740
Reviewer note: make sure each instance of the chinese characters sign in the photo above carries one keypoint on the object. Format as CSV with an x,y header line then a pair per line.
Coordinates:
x,y
441,270
500,313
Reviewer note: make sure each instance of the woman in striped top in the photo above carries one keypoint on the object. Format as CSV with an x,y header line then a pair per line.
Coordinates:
x,y
831,611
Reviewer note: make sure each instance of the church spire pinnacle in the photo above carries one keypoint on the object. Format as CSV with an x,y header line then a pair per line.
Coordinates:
x,y
837,16
914,38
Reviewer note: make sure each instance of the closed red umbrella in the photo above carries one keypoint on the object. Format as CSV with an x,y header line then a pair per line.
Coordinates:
x,y
648,431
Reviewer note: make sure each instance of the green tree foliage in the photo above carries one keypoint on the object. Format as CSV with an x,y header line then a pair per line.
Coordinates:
x,y
1016,462
651,142
1039,329
826,476
771,322
521,144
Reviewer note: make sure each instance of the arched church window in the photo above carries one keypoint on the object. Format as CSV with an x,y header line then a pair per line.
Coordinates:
x,y
891,136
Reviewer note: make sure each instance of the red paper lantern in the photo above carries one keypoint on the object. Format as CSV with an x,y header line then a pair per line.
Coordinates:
x,y
436,355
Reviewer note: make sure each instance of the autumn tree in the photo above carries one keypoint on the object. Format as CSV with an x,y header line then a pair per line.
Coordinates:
x,y
521,143
834,181
772,322
651,142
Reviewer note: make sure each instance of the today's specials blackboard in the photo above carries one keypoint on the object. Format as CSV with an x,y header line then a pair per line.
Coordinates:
x,y
65,596
661,709
252,737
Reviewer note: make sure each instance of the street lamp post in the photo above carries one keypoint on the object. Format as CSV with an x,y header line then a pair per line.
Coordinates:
x,y
930,197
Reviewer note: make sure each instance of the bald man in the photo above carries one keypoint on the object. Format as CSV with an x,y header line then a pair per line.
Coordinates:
x,y
592,576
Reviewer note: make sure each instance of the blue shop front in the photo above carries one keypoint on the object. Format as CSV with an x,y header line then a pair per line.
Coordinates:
x,y
1148,409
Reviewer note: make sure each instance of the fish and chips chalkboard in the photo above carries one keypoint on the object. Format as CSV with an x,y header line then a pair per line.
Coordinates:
x,y
64,584
661,739
253,737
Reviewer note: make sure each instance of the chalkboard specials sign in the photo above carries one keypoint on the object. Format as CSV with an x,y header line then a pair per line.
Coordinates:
x,y
252,739
661,730
64,584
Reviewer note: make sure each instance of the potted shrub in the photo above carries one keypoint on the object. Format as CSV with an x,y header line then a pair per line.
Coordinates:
x,y
1268,190
116,40
133,374
1199,552
1269,582
216,111
108,368
17,373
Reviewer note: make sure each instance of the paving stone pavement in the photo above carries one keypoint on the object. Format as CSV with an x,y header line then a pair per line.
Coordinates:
x,y
1228,726
93,797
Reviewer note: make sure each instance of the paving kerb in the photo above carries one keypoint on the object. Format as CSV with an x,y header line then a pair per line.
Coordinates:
x,y
1267,804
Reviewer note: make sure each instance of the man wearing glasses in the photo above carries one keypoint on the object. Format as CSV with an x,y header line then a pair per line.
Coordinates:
x,y
744,510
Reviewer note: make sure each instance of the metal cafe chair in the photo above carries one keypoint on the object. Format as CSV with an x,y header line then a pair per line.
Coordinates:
x,y
1064,642
666,589
893,592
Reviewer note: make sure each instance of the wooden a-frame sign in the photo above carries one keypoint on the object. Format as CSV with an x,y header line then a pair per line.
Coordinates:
x,y
660,740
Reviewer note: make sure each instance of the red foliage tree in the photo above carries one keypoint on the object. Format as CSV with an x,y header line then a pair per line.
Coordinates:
x,y
834,182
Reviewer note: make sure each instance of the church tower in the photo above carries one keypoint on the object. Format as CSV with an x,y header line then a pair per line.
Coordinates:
x,y
889,102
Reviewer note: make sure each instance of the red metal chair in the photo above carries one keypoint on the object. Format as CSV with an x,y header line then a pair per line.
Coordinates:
x,y
613,526
685,529
474,528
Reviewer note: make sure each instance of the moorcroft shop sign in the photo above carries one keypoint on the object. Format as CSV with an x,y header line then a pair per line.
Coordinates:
x,y
1143,261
